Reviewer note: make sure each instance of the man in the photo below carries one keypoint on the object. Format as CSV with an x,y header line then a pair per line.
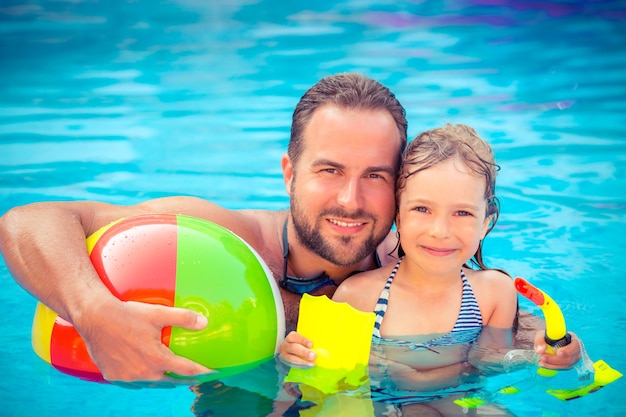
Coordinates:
x,y
348,132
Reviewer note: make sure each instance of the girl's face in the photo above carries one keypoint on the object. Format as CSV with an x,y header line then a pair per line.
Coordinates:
x,y
441,216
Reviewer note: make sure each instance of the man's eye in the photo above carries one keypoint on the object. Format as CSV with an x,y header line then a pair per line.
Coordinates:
x,y
380,177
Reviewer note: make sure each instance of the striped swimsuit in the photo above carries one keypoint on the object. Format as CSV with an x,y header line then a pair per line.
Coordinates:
x,y
466,329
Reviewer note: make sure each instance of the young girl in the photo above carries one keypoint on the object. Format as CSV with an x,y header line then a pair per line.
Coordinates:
x,y
431,305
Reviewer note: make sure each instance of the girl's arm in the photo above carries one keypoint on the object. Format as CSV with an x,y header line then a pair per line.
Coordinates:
x,y
498,293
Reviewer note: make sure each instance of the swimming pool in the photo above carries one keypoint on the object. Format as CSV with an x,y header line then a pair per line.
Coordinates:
x,y
124,101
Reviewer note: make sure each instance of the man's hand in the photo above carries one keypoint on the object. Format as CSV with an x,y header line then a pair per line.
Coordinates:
x,y
564,358
124,340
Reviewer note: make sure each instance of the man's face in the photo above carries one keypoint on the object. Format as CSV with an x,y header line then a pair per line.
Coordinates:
x,y
342,188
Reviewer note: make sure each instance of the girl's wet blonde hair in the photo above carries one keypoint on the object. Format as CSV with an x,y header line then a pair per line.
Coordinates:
x,y
435,146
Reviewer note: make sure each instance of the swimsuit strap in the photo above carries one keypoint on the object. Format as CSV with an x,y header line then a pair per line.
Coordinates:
x,y
469,316
469,322
383,300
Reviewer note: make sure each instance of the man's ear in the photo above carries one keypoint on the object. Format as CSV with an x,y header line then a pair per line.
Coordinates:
x,y
287,168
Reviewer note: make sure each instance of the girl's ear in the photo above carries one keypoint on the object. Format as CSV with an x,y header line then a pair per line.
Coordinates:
x,y
486,225
287,168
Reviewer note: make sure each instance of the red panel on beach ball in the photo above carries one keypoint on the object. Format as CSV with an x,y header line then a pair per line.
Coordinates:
x,y
69,353
136,259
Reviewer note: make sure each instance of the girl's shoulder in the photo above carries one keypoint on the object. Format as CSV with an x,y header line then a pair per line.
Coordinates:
x,y
368,278
491,281
490,276
496,296
362,290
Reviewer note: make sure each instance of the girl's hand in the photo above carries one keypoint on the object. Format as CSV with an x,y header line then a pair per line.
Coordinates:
x,y
564,358
296,352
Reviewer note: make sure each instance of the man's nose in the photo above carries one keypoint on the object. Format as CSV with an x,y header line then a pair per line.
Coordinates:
x,y
350,195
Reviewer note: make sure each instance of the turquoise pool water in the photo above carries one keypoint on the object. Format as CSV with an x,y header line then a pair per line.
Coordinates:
x,y
124,101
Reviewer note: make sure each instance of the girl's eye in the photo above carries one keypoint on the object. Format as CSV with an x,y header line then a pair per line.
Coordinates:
x,y
421,209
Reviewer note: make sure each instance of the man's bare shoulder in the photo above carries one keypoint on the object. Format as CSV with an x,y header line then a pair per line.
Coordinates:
x,y
263,225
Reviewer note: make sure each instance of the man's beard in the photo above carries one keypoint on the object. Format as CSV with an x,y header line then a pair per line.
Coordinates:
x,y
341,254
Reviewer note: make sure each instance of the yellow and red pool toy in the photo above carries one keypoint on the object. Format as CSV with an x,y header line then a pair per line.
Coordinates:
x,y
180,261
556,332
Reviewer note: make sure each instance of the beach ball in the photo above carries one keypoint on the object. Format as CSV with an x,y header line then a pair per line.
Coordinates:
x,y
186,262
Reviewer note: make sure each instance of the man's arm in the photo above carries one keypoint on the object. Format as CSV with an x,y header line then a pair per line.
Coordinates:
x,y
44,247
